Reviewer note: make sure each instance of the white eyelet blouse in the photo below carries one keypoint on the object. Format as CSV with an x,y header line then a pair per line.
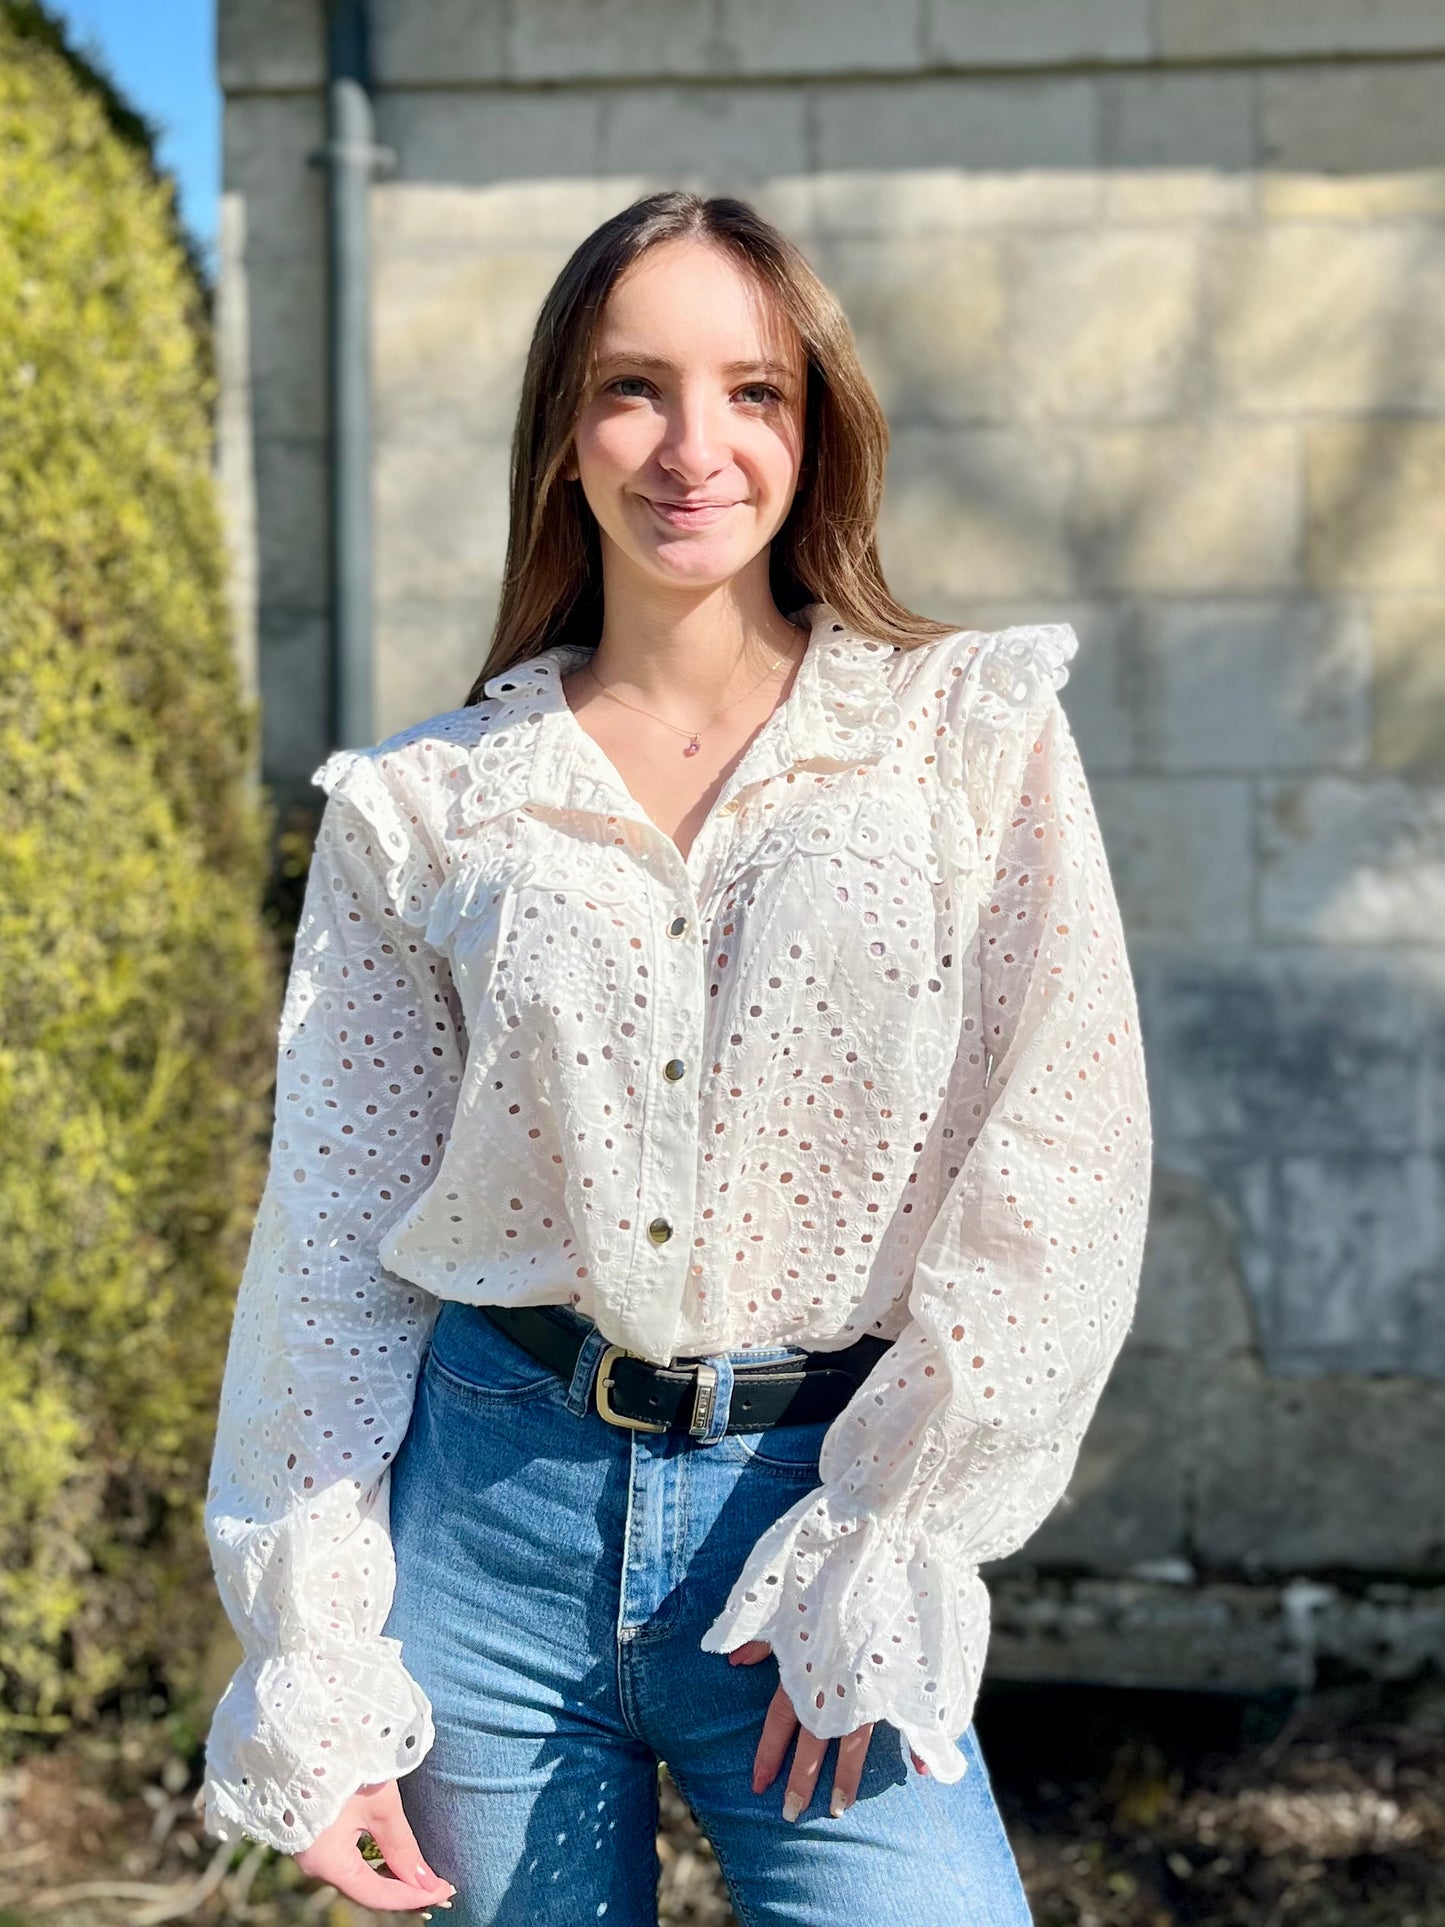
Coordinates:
x,y
912,1102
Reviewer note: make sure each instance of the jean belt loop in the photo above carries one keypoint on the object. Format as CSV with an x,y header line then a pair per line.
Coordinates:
x,y
722,1400
579,1392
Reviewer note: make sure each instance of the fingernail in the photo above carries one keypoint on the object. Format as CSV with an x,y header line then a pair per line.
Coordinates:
x,y
839,1803
792,1805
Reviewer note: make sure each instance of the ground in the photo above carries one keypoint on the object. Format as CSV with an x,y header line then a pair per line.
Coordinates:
x,y
1125,1811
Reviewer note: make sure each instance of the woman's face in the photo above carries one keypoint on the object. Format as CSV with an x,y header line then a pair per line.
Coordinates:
x,y
690,438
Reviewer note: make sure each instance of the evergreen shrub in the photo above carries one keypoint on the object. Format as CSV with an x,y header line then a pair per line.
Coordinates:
x,y
138,981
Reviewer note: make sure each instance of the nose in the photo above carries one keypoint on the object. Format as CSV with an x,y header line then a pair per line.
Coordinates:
x,y
695,443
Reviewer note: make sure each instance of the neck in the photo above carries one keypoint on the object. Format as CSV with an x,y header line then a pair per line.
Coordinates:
x,y
690,655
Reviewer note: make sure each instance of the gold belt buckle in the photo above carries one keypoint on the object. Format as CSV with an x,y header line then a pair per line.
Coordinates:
x,y
604,1388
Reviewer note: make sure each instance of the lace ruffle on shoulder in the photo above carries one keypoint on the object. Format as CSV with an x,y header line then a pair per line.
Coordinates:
x,y
1017,669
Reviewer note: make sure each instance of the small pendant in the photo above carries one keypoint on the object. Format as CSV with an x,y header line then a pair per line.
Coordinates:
x,y
693,747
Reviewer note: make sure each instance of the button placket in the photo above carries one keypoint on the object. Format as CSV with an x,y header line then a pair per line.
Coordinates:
x,y
668,1161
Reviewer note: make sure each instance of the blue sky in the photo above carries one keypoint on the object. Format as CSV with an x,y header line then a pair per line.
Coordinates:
x,y
161,54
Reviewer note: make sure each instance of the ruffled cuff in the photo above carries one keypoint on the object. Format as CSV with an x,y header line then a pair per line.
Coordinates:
x,y
296,1734
867,1621
411,878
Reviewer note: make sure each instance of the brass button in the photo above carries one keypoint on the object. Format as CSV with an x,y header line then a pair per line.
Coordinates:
x,y
734,803
673,1069
677,927
659,1231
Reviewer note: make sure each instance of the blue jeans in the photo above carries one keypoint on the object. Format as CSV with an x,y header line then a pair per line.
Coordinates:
x,y
554,1576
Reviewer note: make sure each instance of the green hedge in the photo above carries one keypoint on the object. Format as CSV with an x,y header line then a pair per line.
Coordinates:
x,y
137,979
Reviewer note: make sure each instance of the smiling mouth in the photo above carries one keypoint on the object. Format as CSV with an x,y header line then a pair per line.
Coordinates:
x,y
681,514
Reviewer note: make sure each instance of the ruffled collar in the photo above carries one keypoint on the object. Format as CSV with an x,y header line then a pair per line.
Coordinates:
x,y
841,709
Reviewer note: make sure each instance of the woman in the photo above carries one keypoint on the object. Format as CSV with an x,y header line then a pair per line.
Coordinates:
x,y
710,1173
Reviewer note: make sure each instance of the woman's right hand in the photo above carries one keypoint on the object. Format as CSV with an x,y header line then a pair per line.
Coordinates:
x,y
334,1855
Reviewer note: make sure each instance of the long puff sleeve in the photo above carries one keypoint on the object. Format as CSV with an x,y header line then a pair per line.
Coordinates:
x,y
965,1435
326,1346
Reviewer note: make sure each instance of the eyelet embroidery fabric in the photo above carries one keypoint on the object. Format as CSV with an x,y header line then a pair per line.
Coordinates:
x,y
915,1105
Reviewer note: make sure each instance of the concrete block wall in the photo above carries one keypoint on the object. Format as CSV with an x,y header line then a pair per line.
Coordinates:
x,y
1152,291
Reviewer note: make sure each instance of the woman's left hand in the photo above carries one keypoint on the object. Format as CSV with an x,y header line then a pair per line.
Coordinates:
x,y
779,1725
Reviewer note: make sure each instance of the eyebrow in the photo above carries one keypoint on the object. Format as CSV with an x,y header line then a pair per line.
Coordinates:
x,y
661,362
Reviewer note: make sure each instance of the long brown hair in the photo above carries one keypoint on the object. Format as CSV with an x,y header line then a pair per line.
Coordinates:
x,y
826,550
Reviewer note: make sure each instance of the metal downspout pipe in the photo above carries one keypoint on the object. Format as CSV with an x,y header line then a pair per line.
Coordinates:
x,y
351,158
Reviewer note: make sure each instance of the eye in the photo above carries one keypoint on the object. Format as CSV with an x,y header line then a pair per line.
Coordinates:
x,y
614,385
762,387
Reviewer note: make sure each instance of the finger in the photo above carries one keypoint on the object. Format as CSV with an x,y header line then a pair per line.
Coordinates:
x,y
780,1722
750,1652
389,1827
848,1768
807,1765
916,1761
343,1868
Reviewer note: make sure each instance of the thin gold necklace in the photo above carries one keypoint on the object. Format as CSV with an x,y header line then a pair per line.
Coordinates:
x,y
694,743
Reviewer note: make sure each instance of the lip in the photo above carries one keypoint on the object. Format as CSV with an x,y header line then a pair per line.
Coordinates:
x,y
689,515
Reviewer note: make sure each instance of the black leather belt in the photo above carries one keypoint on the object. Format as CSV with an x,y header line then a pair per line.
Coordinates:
x,y
633,1392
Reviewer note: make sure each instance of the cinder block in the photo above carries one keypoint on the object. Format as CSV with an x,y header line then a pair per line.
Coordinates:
x,y
266,44
442,43
976,33
1297,27
267,141
294,666
1240,685
1352,142
1130,1633
1374,491
928,314
1344,860
939,155
1408,646
441,520
293,522
1188,507
1128,1498
1313,319
1177,147
759,37
615,39
1357,1270
722,139
1192,1298
1179,853
975,512
428,655
286,371
1305,1474
413,218
506,166
1105,326
451,333
1284,1052
1209,1634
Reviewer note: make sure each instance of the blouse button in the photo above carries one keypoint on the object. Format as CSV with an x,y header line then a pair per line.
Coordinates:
x,y
673,1069
733,804
659,1231
677,927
